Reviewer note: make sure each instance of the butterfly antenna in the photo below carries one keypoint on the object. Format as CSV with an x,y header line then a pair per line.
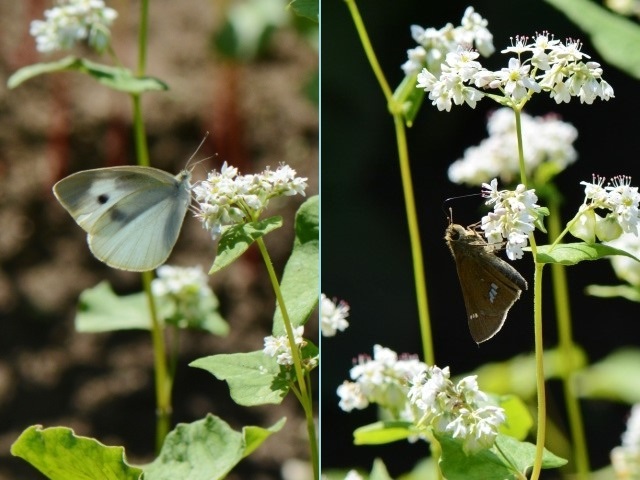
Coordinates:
x,y
197,149
450,216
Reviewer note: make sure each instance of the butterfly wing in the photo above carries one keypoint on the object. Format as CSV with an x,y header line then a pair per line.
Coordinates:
x,y
132,215
490,286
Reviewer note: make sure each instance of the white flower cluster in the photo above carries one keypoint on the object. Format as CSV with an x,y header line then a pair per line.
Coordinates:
x,y
412,391
73,21
185,289
227,198
280,347
554,67
546,140
625,459
460,410
619,198
512,219
333,317
434,44
383,379
179,281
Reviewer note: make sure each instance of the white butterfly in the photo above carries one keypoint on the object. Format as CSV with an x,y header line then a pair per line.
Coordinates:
x,y
132,215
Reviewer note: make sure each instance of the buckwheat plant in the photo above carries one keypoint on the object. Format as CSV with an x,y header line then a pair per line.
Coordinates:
x,y
548,148
230,206
383,380
184,296
512,219
333,316
434,44
422,399
526,153
461,410
280,347
227,198
73,21
541,64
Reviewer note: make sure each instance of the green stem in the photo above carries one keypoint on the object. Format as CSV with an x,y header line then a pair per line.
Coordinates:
x,y
368,49
537,320
162,380
416,244
407,186
305,397
567,349
139,134
523,171
539,358
142,37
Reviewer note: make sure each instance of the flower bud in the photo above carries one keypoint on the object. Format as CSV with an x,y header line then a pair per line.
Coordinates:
x,y
584,227
608,228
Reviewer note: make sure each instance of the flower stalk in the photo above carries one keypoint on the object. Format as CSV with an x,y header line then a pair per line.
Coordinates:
x,y
407,187
305,396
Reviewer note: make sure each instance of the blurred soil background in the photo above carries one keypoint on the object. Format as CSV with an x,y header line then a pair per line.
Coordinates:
x,y
260,109
375,277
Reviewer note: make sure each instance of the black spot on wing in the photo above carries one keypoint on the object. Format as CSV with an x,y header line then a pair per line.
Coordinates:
x,y
117,215
128,213
104,198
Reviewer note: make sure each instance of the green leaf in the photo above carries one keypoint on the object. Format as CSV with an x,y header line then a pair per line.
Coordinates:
x,y
408,98
255,436
253,378
484,465
300,280
205,450
522,454
117,78
60,454
30,71
305,8
236,239
572,253
541,212
611,377
310,350
382,432
609,291
517,375
519,420
616,38
307,223
101,310
489,464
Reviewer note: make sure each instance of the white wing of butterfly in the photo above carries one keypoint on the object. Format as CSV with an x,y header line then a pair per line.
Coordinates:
x,y
132,215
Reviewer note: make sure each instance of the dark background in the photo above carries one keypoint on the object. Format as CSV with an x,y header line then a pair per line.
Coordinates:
x,y
365,246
